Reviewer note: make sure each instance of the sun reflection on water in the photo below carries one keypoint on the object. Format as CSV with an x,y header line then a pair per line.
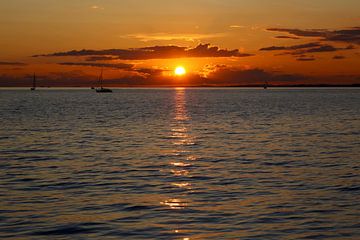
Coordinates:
x,y
182,185
179,172
182,156
191,158
175,203
180,164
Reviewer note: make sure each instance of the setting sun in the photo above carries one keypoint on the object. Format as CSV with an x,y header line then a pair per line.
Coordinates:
x,y
179,71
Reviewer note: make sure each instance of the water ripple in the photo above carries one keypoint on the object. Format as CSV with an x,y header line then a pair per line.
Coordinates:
x,y
180,164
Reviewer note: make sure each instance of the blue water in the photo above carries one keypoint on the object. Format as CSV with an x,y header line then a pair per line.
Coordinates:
x,y
180,164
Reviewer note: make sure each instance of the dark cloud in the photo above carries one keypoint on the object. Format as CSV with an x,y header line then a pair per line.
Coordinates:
x,y
306,59
12,64
99,58
338,57
238,76
294,47
287,37
150,71
299,32
129,68
105,65
205,50
272,48
256,77
324,48
120,66
320,49
307,48
155,52
350,47
232,76
235,76
351,35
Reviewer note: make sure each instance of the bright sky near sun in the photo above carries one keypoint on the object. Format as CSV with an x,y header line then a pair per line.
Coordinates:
x,y
180,70
267,34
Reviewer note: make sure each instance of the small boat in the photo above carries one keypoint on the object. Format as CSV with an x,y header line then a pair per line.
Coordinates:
x,y
266,85
33,88
102,89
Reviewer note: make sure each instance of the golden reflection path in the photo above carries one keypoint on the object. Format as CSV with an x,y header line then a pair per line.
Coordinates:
x,y
182,140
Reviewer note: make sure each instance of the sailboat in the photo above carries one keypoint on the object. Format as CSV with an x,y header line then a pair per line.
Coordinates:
x,y
33,88
266,85
101,89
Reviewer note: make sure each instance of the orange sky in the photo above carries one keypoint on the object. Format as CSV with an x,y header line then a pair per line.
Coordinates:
x,y
280,41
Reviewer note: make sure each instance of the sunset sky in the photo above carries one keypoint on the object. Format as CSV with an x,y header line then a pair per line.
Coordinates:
x,y
141,42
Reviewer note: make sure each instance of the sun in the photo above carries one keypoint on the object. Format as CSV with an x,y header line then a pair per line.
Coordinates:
x,y
180,70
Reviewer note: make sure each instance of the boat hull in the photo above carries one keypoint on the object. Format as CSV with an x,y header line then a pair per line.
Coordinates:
x,y
104,90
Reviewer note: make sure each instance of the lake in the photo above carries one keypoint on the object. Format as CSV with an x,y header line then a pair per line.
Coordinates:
x,y
180,163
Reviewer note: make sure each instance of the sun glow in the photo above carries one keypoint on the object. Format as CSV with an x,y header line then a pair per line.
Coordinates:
x,y
180,70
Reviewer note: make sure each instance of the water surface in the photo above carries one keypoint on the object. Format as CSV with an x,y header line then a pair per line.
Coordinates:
x,y
180,164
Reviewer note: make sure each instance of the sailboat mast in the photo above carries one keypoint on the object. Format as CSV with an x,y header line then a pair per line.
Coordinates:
x,y
34,81
102,89
101,78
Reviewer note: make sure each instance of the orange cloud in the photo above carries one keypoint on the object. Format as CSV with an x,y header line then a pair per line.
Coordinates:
x,y
146,37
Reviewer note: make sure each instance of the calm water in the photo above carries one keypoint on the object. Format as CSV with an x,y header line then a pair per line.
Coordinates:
x,y
180,164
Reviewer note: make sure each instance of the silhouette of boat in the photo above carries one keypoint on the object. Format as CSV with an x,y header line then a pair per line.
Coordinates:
x,y
266,85
102,89
33,88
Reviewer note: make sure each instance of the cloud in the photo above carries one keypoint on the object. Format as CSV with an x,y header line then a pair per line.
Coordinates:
x,y
324,48
236,26
99,58
320,49
210,68
150,71
130,68
12,64
299,32
338,57
155,52
192,37
301,49
306,59
256,76
105,65
294,47
286,37
351,35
